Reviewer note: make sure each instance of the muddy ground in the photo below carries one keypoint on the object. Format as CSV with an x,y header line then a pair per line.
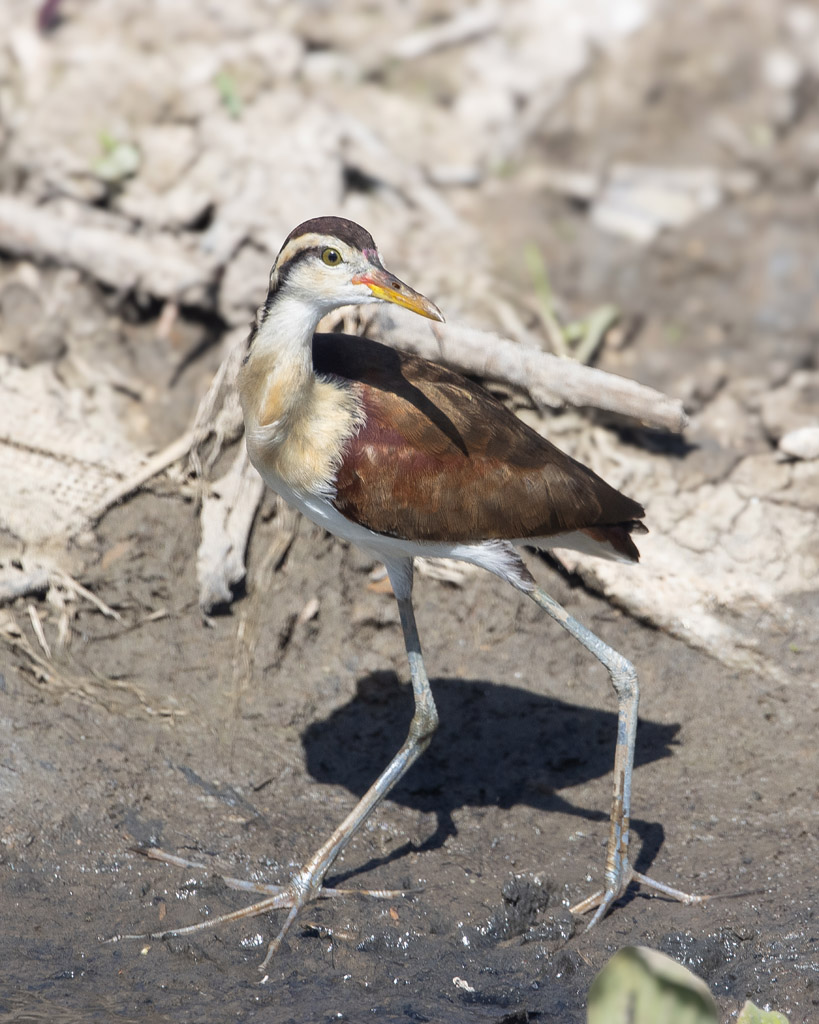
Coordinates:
x,y
500,824
165,733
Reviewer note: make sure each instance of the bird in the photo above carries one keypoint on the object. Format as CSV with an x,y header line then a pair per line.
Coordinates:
x,y
406,458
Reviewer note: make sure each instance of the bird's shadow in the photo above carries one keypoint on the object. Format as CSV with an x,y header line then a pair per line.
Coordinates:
x,y
496,745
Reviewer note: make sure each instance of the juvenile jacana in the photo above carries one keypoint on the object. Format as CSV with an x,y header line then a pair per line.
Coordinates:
x,y
403,458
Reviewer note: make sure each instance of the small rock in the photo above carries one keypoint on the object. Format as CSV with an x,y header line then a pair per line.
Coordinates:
x,y
802,21
782,70
802,443
308,612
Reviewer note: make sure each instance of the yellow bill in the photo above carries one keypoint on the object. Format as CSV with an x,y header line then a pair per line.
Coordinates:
x,y
385,286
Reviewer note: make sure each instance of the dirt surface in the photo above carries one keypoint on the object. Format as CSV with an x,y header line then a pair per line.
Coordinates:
x,y
240,741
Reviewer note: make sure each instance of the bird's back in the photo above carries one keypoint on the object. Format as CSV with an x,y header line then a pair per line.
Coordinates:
x,y
438,458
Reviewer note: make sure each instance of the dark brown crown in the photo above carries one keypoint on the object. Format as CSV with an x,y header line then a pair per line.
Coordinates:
x,y
338,227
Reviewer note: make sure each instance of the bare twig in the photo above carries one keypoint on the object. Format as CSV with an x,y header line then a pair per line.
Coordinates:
x,y
175,451
39,632
70,584
94,688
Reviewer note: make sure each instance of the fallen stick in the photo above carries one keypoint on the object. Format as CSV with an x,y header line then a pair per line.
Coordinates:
x,y
226,518
158,265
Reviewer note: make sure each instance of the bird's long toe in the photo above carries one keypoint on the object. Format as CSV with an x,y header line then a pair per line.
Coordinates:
x,y
602,900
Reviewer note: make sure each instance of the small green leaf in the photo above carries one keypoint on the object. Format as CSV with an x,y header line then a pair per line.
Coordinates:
x,y
642,986
597,323
229,94
536,265
750,1014
119,160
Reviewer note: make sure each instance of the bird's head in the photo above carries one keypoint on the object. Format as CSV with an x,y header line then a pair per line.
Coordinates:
x,y
329,262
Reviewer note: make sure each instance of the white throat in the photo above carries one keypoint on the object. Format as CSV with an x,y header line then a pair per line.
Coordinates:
x,y
286,333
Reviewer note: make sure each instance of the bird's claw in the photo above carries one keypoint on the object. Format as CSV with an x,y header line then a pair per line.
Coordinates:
x,y
303,889
602,900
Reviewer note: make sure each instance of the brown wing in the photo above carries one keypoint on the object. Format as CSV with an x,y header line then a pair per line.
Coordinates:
x,y
439,459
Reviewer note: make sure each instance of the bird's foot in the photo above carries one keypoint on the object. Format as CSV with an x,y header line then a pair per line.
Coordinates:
x,y
602,900
293,897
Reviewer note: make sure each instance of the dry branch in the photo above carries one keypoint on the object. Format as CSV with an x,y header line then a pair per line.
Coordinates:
x,y
158,265
226,518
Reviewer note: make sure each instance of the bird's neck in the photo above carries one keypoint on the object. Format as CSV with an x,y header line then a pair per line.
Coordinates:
x,y
296,423
277,376
284,336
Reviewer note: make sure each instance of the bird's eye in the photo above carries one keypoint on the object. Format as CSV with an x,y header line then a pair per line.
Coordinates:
x,y
332,257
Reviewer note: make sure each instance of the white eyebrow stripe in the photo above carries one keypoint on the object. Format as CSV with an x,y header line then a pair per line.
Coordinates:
x,y
310,241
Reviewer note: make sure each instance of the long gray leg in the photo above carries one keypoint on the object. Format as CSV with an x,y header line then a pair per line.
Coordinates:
x,y
305,885
618,872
